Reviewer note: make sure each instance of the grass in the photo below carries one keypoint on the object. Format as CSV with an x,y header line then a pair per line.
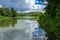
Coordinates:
x,y
4,18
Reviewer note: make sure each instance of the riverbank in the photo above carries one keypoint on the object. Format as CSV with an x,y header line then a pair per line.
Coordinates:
x,y
4,18
19,17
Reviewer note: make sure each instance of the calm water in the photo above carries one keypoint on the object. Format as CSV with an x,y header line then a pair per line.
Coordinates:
x,y
21,29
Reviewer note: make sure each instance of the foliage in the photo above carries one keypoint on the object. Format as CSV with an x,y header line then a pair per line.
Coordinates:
x,y
8,12
50,20
13,12
49,25
29,14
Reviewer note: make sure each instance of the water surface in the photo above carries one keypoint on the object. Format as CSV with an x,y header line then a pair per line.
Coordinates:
x,y
21,29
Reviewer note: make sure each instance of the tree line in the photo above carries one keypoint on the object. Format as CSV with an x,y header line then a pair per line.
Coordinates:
x,y
8,12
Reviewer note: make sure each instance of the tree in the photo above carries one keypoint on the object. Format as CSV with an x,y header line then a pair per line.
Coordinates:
x,y
52,7
50,21
7,12
1,12
13,12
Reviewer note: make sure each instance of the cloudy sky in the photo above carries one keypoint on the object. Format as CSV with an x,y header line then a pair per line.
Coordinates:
x,y
23,5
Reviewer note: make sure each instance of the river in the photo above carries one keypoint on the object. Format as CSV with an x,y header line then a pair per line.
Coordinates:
x,y
21,29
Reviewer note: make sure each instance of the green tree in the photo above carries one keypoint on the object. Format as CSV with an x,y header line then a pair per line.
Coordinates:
x,y
50,21
1,12
52,7
7,12
13,12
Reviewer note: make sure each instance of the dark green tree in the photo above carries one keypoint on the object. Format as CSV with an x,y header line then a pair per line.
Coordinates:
x,y
13,12
7,12
1,12
52,7
50,21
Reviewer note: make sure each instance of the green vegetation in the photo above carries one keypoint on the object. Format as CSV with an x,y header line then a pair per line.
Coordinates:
x,y
34,15
50,20
8,12
4,18
29,14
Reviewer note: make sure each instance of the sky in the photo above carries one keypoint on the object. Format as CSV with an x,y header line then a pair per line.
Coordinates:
x,y
24,5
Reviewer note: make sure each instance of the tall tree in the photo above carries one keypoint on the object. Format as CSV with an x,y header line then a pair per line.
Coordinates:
x,y
52,7
1,11
13,12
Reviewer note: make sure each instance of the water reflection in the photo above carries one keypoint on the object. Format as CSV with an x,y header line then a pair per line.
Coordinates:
x,y
8,22
14,29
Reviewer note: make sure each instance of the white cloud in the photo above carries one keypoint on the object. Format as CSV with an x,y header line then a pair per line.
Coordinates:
x,y
22,5
33,7
0,6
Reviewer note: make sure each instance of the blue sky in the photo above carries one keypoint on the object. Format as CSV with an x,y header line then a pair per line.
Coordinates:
x,y
22,5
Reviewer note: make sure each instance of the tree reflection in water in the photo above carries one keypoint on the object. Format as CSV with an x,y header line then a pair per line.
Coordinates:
x,y
8,22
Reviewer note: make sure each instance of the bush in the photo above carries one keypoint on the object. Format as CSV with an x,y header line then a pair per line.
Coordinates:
x,y
51,26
